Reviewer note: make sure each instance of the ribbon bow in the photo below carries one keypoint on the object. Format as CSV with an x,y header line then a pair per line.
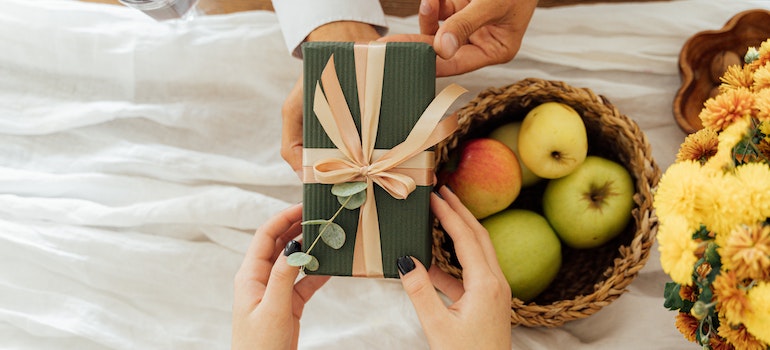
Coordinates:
x,y
360,161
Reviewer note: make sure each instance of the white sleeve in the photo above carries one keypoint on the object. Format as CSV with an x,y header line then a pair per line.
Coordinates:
x,y
300,17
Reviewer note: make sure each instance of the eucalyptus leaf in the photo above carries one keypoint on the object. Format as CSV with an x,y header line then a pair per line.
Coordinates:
x,y
299,259
353,202
315,222
313,264
333,235
347,189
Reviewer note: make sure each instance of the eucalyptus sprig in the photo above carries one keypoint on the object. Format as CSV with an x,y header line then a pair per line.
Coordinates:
x,y
350,195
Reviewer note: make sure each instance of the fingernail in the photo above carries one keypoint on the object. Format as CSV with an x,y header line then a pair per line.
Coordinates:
x,y
405,264
436,191
449,44
292,247
425,8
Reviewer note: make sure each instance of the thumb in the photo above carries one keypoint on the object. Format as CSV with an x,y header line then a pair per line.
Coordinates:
x,y
417,284
458,27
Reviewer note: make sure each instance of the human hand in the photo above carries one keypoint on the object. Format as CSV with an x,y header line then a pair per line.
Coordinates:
x,y
480,315
267,303
475,33
291,137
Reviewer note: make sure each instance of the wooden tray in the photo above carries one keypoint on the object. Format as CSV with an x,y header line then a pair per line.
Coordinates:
x,y
748,28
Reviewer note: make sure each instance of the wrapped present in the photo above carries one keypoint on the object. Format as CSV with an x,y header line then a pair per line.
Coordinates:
x,y
371,117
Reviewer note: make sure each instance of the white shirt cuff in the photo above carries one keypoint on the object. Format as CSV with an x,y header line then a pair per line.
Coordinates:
x,y
300,17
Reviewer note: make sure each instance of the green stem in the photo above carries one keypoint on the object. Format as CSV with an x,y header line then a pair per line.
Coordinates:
x,y
327,225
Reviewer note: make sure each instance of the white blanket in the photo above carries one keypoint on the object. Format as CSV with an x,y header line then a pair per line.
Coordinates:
x,y
137,158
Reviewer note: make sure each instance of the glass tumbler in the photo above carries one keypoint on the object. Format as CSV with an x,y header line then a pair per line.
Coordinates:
x,y
162,10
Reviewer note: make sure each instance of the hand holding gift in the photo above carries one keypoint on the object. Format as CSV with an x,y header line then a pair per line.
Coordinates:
x,y
268,303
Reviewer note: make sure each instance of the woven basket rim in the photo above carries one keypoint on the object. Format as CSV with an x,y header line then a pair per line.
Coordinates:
x,y
629,258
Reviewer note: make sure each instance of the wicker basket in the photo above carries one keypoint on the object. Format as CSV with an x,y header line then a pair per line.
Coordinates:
x,y
589,279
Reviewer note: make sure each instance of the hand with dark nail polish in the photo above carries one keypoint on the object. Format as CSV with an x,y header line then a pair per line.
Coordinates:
x,y
266,297
480,315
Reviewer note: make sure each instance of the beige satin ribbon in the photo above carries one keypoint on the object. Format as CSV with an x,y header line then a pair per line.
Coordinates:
x,y
358,162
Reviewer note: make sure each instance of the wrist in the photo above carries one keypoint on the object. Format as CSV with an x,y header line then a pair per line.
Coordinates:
x,y
344,31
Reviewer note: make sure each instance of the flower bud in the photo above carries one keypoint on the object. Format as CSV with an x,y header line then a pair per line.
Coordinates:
x,y
700,310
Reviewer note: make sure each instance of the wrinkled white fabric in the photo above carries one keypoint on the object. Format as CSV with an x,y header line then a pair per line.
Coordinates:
x,y
137,158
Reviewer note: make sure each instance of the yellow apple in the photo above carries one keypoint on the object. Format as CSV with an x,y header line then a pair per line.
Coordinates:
x,y
509,135
485,176
591,205
527,249
552,140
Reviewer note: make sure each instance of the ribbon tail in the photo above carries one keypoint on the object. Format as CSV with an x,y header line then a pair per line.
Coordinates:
x,y
367,253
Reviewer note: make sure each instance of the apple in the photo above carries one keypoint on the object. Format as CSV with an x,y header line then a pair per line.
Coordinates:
x,y
527,249
485,176
591,205
509,135
552,140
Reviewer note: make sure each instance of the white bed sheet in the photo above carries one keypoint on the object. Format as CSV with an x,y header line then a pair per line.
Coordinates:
x,y
137,158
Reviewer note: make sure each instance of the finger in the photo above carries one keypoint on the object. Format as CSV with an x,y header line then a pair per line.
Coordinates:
x,y
450,286
291,131
428,16
469,251
417,284
259,261
457,28
468,58
481,234
279,290
293,233
304,290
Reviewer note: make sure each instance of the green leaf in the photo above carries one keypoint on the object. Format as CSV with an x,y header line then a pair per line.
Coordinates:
x,y
713,258
299,259
347,189
315,222
333,235
313,264
672,300
702,233
353,202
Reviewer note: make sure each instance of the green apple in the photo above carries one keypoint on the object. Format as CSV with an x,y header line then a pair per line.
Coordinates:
x,y
591,205
527,249
552,140
485,176
509,135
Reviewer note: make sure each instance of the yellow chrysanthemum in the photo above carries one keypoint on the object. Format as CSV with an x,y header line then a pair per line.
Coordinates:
x,y
679,192
761,78
757,320
762,106
677,249
739,337
732,301
722,199
755,181
698,146
747,252
736,77
723,110
764,54
728,138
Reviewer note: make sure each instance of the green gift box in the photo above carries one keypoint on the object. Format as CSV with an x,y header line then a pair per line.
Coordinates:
x,y
407,89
